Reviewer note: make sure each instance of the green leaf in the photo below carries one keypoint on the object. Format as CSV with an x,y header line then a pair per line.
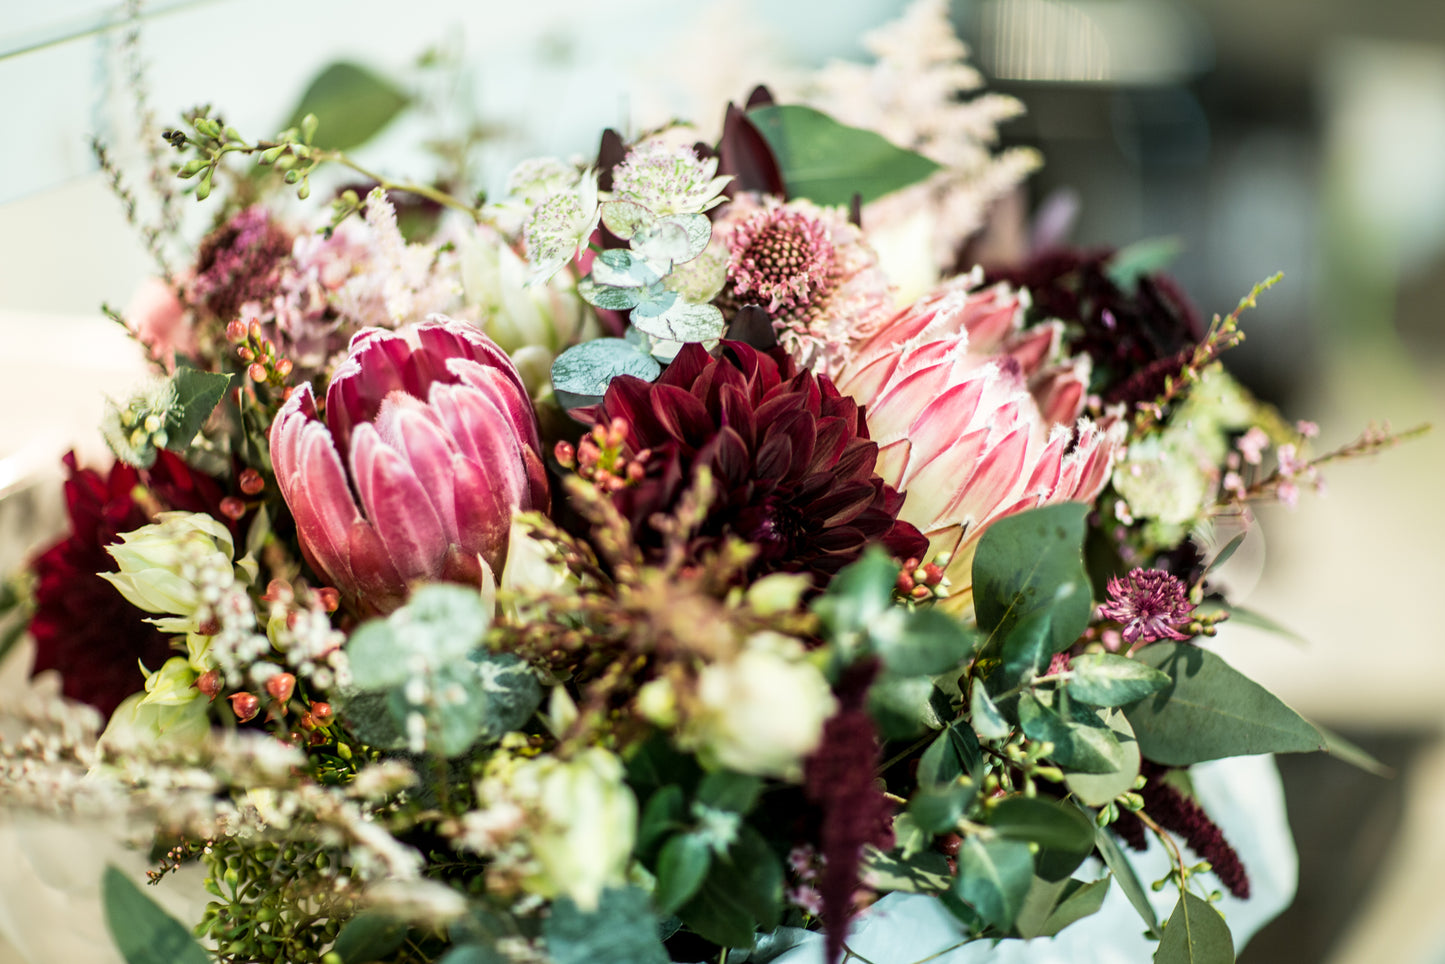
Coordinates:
x,y
681,868
1028,647
1097,789
471,954
669,316
197,393
923,642
698,230
901,706
622,930
1195,934
726,790
987,721
1033,562
828,162
608,297
352,103
1345,751
994,878
858,595
587,369
937,809
626,218
369,937
509,693
743,893
1050,824
1149,256
926,872
142,931
1123,872
1082,742
664,812
953,754
1079,902
1039,902
1105,679
1211,711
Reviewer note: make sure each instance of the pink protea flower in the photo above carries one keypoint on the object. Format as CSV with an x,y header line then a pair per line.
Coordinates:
x,y
429,446
975,419
809,269
1150,604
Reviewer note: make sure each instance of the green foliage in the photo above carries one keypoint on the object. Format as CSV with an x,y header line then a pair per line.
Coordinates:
x,y
994,878
1104,679
1149,256
432,647
937,808
1029,564
581,374
1123,872
1063,833
1053,905
828,162
142,931
925,872
743,893
682,866
350,103
197,393
1097,789
1082,741
954,753
665,314
1195,934
369,937
1211,711
621,930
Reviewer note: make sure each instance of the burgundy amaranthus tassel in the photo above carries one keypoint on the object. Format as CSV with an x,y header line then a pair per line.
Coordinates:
x,y
839,779
1174,811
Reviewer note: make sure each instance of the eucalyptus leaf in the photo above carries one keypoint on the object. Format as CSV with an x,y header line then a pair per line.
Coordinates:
x,y
1347,752
994,878
742,894
926,872
587,369
900,706
698,230
938,808
1030,563
352,104
471,954
859,594
1028,648
621,268
608,297
1146,257
953,754
828,162
923,642
1078,903
143,932
733,792
664,812
1123,872
670,317
1105,679
1195,934
1049,823
197,393
1080,743
626,218
1211,711
369,937
621,930
665,242
987,721
1097,789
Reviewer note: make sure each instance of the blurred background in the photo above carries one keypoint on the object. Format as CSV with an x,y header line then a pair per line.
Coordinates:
x,y
1306,136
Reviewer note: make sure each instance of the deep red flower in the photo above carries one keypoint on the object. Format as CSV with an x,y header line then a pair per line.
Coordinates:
x,y
790,457
83,627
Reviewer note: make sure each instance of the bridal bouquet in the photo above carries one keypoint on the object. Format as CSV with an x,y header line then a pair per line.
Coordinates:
x,y
688,546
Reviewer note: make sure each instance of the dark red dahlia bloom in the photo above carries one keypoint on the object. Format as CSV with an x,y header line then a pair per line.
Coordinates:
x,y
790,457
83,627
1136,338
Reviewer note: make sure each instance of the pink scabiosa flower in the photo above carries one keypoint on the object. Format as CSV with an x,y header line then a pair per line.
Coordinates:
x,y
975,419
1150,604
810,270
428,448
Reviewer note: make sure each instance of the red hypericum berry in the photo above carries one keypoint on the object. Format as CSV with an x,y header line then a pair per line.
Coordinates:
x,y
329,598
307,721
251,482
245,706
321,713
209,683
566,455
236,331
232,507
257,372
281,686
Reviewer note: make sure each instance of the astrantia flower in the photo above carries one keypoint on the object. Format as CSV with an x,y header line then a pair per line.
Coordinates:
x,y
561,226
810,270
1150,604
428,448
82,626
973,437
668,180
791,459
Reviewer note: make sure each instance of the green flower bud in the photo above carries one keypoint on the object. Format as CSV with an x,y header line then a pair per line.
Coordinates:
x,y
159,565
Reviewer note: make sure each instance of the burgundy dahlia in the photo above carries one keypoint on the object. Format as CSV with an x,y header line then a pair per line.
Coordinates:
x,y
83,627
790,457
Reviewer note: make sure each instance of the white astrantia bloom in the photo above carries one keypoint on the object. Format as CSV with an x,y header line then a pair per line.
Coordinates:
x,y
761,712
668,180
560,228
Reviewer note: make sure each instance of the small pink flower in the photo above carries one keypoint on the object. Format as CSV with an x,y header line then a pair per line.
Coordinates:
x,y
1307,429
1252,444
1150,604
158,319
429,446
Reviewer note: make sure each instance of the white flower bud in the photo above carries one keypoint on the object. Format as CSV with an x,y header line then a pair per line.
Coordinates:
x,y
163,565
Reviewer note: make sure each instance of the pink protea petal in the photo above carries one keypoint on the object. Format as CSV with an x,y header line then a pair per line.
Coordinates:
x,y
396,505
313,482
1032,348
407,425
483,510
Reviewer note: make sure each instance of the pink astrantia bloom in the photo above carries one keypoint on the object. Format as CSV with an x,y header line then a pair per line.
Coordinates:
x,y
429,447
1149,605
976,418
810,270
